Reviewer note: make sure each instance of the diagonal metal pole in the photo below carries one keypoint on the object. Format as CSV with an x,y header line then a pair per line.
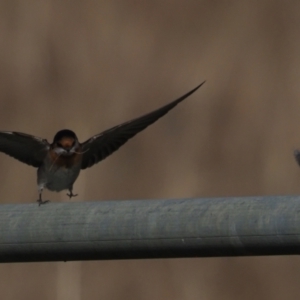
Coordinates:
x,y
242,226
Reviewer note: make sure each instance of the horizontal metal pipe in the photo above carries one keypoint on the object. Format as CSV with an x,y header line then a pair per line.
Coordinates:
x,y
244,226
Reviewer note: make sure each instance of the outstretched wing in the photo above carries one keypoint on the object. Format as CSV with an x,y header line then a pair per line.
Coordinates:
x,y
26,148
102,145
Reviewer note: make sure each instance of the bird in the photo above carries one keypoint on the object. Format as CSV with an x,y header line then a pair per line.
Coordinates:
x,y
297,156
60,162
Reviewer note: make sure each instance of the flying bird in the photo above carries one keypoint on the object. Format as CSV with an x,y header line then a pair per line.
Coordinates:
x,y
60,162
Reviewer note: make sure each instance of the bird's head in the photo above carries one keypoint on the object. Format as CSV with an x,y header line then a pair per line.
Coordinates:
x,y
65,142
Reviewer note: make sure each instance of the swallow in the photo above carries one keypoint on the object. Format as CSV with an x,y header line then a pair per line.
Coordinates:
x,y
60,162
297,156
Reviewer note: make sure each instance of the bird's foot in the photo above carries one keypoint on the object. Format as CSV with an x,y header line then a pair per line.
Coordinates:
x,y
40,201
72,195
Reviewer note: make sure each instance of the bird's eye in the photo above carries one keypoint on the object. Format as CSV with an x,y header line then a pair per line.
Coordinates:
x,y
73,144
59,145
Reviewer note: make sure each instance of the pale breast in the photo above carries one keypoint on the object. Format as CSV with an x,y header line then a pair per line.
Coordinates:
x,y
61,179
58,177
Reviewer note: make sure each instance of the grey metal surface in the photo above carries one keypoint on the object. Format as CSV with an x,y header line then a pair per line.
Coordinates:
x,y
150,229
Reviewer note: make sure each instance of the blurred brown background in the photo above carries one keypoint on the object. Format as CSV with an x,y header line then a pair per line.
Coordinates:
x,y
89,65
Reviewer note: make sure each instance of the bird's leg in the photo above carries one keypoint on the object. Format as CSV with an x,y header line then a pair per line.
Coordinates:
x,y
71,193
40,201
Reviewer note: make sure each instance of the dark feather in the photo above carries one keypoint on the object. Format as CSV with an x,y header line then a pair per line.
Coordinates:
x,y
102,145
24,147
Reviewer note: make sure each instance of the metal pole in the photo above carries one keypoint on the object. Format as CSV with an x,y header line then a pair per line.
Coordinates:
x,y
244,226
